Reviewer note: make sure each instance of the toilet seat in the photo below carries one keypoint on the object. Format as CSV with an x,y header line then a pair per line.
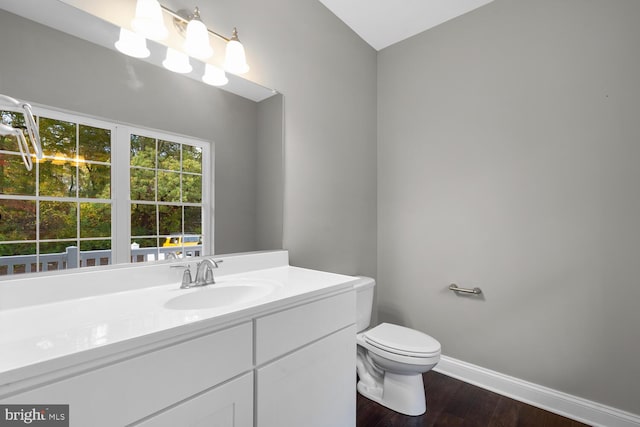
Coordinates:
x,y
402,341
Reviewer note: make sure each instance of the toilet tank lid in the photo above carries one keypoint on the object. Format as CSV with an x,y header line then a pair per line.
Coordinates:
x,y
363,282
400,339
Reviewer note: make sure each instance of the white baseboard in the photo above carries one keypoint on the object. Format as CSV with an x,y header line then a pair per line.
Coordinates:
x,y
564,404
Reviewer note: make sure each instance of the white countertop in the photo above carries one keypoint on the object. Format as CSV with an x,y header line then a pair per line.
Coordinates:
x,y
36,340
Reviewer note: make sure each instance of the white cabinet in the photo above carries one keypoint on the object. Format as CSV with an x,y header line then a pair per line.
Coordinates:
x,y
124,392
288,368
312,385
228,405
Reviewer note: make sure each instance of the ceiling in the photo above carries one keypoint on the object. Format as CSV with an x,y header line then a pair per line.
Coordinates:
x,y
382,23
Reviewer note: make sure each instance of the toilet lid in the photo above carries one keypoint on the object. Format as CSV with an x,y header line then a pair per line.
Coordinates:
x,y
401,340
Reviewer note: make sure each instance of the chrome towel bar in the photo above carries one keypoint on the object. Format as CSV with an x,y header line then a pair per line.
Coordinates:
x,y
475,291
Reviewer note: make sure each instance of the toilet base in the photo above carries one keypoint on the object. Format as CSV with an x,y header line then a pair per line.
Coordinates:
x,y
400,393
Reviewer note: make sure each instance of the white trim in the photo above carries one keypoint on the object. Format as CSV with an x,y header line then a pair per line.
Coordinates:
x,y
564,404
121,211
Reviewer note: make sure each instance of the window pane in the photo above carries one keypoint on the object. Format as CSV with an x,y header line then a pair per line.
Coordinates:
x,y
145,243
16,120
143,220
191,159
17,220
58,220
143,151
168,155
58,255
142,184
192,188
95,220
14,177
178,180
58,138
170,220
95,181
57,179
94,144
193,220
143,250
95,252
17,258
168,186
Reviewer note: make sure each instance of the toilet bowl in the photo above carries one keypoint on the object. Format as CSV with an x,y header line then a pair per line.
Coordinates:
x,y
391,358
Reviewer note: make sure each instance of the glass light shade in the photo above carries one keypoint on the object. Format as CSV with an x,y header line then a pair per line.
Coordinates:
x,y
149,21
196,43
214,76
132,44
177,62
235,60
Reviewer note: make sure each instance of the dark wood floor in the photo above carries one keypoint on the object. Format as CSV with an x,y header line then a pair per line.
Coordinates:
x,y
451,402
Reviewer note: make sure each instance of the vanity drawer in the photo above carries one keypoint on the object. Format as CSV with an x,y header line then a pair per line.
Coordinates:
x,y
132,389
282,332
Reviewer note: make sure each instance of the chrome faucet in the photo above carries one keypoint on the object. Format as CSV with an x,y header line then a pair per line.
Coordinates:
x,y
204,274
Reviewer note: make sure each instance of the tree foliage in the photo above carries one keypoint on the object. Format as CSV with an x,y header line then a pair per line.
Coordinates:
x,y
164,176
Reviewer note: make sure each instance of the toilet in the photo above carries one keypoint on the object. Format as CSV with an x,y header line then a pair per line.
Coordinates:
x,y
391,359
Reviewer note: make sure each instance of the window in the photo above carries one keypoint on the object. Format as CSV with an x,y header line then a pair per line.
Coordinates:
x,y
104,193
166,198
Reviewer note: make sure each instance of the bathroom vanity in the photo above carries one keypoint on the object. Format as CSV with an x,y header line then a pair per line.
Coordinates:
x,y
137,357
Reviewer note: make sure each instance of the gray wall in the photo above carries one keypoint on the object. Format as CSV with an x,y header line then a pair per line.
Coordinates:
x,y
328,77
508,159
270,174
54,69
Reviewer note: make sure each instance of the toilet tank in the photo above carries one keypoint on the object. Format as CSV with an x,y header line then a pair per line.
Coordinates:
x,y
364,301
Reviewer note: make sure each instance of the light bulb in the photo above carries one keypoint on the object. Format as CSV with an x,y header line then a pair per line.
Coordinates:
x,y
214,76
235,60
149,21
132,44
177,62
196,42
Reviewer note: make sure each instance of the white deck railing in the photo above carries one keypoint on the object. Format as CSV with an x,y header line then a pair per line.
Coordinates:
x,y
73,258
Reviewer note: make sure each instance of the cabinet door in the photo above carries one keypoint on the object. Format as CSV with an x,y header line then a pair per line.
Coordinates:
x,y
121,393
228,405
311,387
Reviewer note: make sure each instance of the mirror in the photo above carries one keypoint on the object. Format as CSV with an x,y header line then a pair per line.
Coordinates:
x,y
47,67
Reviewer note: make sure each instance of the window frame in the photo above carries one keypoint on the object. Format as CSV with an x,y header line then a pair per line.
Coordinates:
x,y
124,139
120,200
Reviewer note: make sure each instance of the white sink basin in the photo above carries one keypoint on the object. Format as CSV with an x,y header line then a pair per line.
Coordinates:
x,y
225,293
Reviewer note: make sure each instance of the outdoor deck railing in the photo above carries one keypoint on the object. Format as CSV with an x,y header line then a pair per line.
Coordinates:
x,y
74,258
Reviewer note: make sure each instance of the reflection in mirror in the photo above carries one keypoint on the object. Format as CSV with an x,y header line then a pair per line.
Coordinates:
x,y
66,203
165,189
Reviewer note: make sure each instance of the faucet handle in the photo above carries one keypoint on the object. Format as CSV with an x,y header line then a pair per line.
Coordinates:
x,y
216,262
187,281
186,278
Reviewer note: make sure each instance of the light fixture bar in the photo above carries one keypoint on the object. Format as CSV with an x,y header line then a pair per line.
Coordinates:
x,y
175,15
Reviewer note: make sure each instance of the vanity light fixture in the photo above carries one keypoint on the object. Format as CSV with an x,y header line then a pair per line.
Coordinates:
x,y
196,41
177,61
132,44
235,60
214,76
149,22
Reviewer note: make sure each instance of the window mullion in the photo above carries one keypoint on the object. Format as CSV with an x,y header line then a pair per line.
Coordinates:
x,y
121,209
